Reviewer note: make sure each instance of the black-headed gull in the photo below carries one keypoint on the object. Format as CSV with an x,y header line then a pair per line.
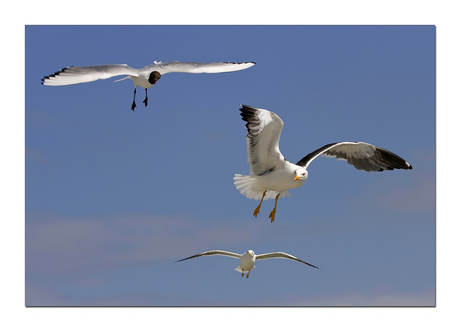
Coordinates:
x,y
271,175
145,77
248,259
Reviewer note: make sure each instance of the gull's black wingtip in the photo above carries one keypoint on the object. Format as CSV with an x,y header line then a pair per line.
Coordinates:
x,y
55,74
187,258
248,113
238,62
247,108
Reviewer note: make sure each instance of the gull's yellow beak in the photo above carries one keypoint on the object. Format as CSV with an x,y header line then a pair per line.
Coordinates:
x,y
296,177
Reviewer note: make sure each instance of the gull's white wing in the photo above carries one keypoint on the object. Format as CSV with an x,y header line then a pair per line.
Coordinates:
x,y
214,252
362,156
197,68
281,255
264,131
77,75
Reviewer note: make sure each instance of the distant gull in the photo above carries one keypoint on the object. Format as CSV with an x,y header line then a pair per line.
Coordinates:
x,y
145,77
248,259
271,175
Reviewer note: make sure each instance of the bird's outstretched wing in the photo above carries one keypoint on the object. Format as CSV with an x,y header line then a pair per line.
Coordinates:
x,y
196,67
362,156
264,131
214,252
282,256
77,75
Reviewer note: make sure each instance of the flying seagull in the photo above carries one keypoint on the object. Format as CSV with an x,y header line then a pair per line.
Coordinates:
x,y
271,175
145,77
248,259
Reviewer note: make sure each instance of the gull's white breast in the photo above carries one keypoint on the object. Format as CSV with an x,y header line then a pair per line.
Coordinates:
x,y
281,180
247,262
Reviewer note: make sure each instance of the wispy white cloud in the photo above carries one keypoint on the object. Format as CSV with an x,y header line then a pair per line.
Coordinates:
x,y
43,296
86,251
417,196
388,299
57,244
406,191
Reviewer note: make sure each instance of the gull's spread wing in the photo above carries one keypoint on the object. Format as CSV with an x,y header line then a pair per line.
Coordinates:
x,y
362,156
282,256
214,252
77,75
197,68
264,131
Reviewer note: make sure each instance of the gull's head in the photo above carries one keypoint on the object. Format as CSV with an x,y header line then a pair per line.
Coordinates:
x,y
248,254
300,175
154,76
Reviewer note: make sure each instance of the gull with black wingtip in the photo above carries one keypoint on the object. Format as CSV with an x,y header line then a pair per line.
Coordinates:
x,y
271,175
145,77
248,259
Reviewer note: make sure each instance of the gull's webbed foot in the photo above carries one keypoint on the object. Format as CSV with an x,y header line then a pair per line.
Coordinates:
x,y
242,274
247,276
272,214
256,211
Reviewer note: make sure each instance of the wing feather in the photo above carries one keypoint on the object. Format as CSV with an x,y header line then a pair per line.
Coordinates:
x,y
77,75
264,131
198,68
362,156
282,256
214,252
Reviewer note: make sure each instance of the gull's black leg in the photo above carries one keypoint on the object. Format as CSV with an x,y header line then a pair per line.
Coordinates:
x,y
146,98
134,100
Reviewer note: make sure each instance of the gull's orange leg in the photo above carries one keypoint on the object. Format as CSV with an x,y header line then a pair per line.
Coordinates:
x,y
257,210
272,214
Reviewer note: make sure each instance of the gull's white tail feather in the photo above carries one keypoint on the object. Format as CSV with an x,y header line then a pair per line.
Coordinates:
x,y
241,270
251,188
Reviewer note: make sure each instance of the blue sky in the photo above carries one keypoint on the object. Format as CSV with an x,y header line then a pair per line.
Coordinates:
x,y
114,197
441,13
